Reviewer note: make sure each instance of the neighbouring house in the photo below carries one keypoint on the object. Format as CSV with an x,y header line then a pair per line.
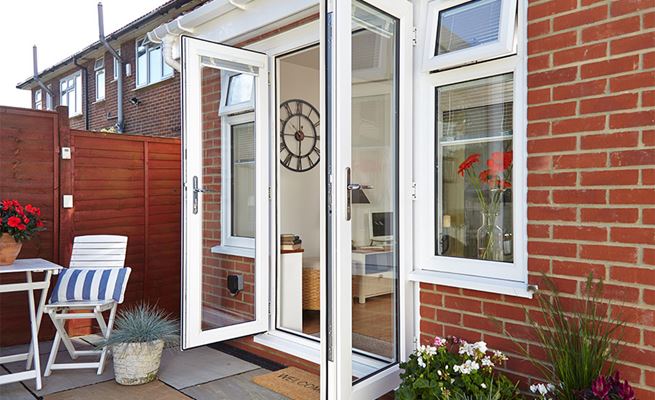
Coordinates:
x,y
87,81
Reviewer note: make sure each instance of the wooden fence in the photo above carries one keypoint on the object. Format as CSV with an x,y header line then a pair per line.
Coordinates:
x,y
121,184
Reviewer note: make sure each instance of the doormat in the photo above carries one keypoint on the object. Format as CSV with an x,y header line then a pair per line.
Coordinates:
x,y
291,382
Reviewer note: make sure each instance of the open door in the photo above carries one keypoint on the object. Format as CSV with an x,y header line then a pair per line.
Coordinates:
x,y
367,81
225,217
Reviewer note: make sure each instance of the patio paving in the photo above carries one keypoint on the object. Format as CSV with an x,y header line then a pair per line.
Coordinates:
x,y
201,373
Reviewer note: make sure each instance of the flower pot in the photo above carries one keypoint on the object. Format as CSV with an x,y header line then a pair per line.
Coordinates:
x,y
9,249
137,363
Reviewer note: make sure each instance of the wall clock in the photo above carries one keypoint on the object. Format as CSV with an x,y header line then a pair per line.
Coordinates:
x,y
299,135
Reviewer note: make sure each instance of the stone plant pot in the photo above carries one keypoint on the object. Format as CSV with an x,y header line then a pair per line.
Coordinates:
x,y
9,249
136,363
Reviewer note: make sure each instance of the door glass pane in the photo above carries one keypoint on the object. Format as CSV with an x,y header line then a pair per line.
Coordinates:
x,y
468,25
240,89
374,207
474,125
228,249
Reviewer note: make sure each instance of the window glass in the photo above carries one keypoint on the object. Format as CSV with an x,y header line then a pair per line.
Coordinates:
x,y
243,180
100,78
240,89
48,99
38,103
474,156
71,93
468,25
116,68
155,62
150,63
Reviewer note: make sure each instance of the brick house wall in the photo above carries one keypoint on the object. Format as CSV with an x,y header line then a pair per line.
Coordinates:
x,y
157,114
591,181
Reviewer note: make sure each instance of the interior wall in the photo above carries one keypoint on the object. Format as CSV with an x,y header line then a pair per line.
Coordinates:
x,y
299,204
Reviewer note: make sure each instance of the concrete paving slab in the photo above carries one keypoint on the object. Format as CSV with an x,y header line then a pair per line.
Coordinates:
x,y
14,391
64,379
113,391
44,347
196,366
234,387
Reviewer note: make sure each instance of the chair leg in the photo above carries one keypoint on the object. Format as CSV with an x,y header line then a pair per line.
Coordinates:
x,y
53,350
106,333
60,325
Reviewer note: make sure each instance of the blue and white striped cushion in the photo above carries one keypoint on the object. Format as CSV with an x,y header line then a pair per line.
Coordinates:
x,y
92,284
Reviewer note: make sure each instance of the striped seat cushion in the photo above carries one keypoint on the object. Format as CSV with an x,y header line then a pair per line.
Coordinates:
x,y
91,284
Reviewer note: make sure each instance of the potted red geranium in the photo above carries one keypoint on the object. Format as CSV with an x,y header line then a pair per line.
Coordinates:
x,y
17,224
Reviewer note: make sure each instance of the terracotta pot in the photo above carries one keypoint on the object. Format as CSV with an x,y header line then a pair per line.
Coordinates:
x,y
9,249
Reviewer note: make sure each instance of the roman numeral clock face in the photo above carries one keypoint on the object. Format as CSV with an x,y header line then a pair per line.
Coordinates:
x,y
299,135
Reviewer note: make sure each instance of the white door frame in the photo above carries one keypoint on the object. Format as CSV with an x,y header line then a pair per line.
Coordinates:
x,y
192,49
336,358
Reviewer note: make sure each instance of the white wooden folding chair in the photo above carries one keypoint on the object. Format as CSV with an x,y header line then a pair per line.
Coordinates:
x,y
95,282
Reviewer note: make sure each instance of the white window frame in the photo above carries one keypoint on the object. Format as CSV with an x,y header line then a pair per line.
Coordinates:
x,y
489,276
150,46
99,68
505,45
115,71
77,93
38,99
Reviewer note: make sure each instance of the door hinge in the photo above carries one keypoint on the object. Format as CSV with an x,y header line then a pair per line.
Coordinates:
x,y
269,193
413,36
269,308
412,191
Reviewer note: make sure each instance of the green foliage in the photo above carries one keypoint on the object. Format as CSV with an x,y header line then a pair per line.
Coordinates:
x,y
143,323
453,369
581,341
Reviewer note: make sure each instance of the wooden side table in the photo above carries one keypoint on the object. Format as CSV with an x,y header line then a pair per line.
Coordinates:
x,y
28,266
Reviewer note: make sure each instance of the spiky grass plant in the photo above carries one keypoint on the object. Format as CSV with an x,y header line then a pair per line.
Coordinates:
x,y
581,342
143,323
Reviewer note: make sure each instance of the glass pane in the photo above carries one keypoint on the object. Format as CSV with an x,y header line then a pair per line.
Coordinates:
x,y
142,67
100,84
240,89
468,25
78,93
168,70
155,64
475,163
374,207
116,65
243,180
220,306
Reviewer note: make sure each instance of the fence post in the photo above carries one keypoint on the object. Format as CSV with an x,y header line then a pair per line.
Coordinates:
x,y
66,184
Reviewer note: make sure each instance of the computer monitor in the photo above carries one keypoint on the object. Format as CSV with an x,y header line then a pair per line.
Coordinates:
x,y
381,226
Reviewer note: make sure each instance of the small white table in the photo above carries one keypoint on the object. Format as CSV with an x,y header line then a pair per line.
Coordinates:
x,y
28,266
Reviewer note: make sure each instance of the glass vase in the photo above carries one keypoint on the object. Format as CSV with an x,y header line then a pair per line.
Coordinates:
x,y
490,238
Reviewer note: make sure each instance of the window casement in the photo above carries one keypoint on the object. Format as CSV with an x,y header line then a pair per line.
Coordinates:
x,y
38,99
49,104
238,164
70,89
150,65
460,32
471,185
116,67
99,68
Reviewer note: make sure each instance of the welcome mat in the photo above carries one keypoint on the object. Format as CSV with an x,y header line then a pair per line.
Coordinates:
x,y
291,382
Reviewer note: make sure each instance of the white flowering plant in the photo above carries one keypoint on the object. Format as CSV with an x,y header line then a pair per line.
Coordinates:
x,y
451,368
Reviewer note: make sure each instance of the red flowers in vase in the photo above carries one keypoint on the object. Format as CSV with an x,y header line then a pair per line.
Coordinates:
x,y
497,177
19,222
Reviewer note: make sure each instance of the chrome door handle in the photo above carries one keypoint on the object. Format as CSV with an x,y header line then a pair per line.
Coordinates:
x,y
196,190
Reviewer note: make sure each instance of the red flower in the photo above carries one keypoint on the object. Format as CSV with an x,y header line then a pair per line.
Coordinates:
x,y
468,163
14,222
499,161
26,220
7,204
39,224
21,227
485,176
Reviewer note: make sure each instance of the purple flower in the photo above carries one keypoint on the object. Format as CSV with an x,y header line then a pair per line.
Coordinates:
x,y
438,341
625,391
600,388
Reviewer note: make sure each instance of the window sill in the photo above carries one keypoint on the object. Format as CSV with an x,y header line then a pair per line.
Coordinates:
x,y
234,251
98,101
510,288
153,83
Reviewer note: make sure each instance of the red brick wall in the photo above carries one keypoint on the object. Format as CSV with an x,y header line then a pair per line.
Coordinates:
x,y
158,113
216,267
591,181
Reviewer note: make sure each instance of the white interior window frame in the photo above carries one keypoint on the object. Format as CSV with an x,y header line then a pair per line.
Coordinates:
x,y
38,99
504,46
230,243
99,68
150,46
76,93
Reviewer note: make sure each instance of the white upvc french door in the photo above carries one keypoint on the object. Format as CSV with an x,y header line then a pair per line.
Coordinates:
x,y
216,80
367,87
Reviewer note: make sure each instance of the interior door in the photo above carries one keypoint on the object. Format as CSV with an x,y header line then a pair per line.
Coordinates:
x,y
367,86
225,142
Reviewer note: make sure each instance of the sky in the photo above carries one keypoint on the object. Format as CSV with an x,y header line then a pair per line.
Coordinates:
x,y
59,28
